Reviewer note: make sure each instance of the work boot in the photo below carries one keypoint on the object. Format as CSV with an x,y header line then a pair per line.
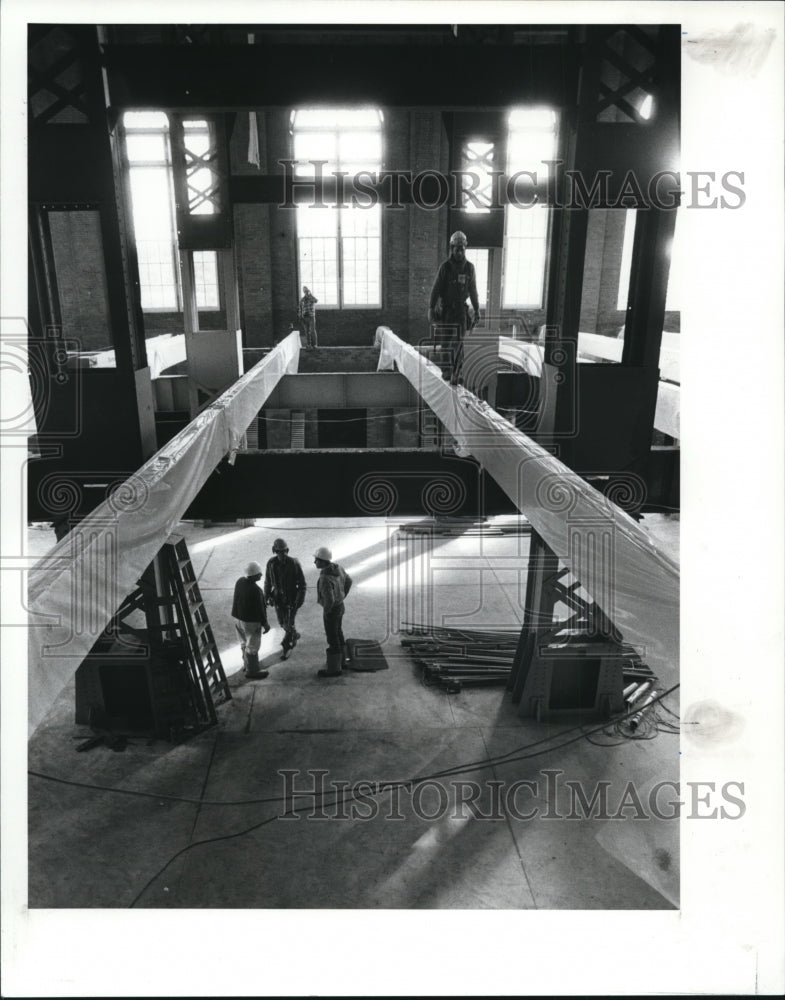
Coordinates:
x,y
253,671
333,665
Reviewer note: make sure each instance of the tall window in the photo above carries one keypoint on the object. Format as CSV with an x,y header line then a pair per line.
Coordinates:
x,y
675,271
339,252
531,140
152,197
479,258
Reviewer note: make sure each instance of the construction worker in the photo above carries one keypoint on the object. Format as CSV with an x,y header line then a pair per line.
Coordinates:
x,y
307,315
448,311
284,587
333,585
250,617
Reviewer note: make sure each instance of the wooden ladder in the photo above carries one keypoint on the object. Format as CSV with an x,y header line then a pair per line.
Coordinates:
x,y
203,652
158,652
298,429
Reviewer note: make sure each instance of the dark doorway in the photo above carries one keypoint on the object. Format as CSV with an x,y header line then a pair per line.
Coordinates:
x,y
343,428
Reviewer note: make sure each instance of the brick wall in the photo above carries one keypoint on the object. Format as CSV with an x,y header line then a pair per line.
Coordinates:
x,y
254,273
610,318
339,359
604,241
81,283
428,234
156,323
81,278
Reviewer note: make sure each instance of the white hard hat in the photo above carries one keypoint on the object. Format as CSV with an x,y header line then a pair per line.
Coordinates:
x,y
323,553
252,569
458,237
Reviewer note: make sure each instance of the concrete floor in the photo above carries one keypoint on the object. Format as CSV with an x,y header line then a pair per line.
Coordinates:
x,y
98,848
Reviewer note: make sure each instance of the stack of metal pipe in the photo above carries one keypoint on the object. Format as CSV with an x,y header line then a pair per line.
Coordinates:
x,y
452,657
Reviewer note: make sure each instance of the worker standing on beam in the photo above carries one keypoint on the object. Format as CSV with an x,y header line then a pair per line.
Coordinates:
x,y
307,314
284,587
453,292
333,585
250,617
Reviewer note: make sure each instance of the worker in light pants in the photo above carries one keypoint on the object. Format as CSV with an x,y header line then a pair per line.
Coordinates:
x,y
333,585
250,619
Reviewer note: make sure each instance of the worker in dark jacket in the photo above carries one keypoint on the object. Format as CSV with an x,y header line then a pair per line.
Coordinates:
x,y
284,587
448,312
333,585
250,617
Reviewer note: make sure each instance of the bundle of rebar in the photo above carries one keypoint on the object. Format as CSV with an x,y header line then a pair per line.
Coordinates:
x,y
463,527
453,657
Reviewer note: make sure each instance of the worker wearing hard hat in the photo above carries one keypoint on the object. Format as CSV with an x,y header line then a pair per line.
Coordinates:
x,y
449,313
307,317
250,617
333,585
284,587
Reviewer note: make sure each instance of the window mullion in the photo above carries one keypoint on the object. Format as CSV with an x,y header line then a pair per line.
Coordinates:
x,y
173,222
339,255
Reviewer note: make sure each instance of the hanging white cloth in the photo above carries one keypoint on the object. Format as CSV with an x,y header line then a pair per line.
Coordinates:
x,y
253,139
253,132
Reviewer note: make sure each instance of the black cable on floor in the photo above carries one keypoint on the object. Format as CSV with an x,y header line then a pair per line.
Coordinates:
x,y
198,843
510,757
367,787
383,787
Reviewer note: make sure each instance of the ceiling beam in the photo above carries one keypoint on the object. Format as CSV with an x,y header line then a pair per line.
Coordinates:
x,y
232,77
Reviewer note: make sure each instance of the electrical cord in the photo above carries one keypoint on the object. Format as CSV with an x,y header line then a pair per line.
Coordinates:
x,y
197,843
512,756
367,788
508,758
671,712
152,795
381,787
266,801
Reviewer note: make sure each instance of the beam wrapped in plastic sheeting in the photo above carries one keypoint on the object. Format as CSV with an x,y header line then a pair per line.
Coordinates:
x,y
163,352
616,561
75,589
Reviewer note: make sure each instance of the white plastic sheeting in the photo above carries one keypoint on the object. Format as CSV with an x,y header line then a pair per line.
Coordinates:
x,y
667,416
635,583
163,351
529,357
77,587
594,345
